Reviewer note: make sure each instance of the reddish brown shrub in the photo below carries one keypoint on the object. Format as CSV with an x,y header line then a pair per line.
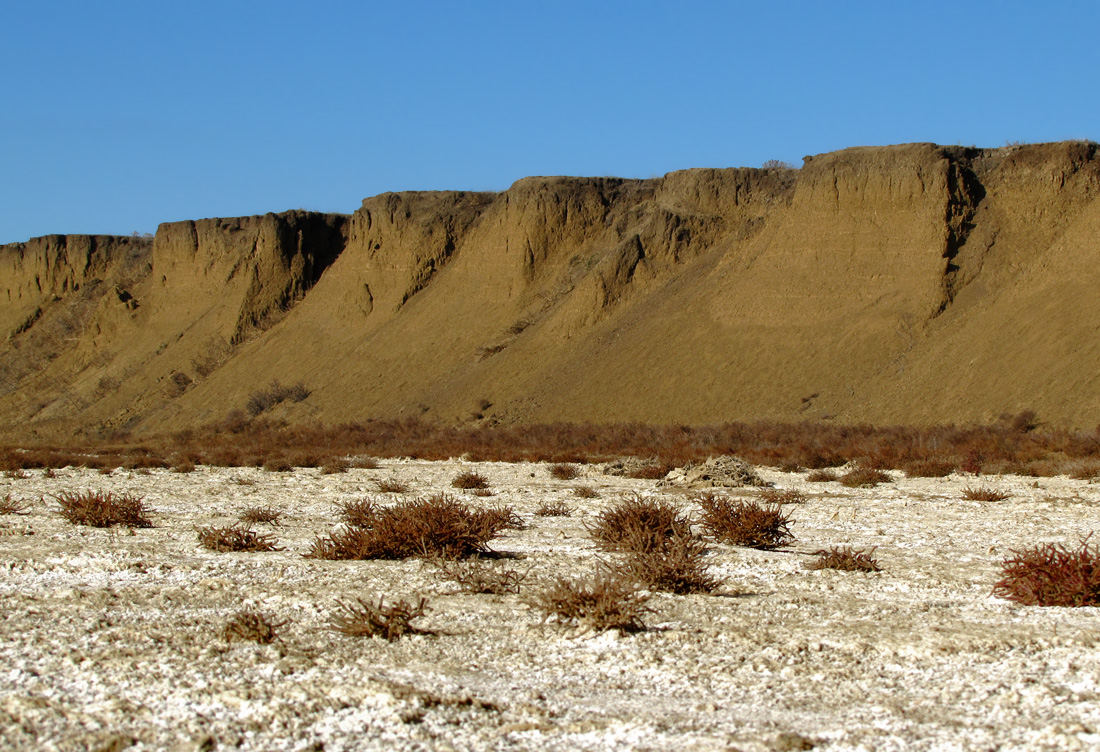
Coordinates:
x,y
235,538
928,468
846,559
98,509
564,471
1052,575
638,523
744,523
605,601
780,496
370,620
470,480
677,566
554,509
252,626
864,477
822,476
984,494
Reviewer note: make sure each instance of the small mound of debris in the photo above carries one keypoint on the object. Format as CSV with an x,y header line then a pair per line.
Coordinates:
x,y
716,472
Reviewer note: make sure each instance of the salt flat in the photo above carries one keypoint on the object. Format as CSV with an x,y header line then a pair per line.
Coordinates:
x,y
112,639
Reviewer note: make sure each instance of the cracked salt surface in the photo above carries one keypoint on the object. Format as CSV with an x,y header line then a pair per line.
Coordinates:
x,y
111,640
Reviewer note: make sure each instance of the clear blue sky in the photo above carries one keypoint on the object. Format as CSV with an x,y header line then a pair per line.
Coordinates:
x,y
115,116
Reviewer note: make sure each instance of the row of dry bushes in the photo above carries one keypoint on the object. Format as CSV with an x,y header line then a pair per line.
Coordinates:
x,y
1013,445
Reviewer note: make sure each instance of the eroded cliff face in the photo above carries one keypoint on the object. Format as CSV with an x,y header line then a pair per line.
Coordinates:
x,y
915,283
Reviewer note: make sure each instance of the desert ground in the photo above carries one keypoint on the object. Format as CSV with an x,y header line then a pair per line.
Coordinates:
x,y
112,639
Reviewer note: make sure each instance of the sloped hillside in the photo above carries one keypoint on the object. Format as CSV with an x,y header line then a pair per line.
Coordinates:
x,y
913,283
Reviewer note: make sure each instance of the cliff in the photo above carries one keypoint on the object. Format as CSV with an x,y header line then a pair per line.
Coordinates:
x,y
913,283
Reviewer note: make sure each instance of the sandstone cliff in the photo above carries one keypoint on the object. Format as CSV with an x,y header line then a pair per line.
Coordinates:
x,y
914,283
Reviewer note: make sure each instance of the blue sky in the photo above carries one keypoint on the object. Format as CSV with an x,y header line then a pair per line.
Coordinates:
x,y
116,116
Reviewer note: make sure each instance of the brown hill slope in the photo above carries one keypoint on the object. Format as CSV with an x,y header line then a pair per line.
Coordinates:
x,y
914,283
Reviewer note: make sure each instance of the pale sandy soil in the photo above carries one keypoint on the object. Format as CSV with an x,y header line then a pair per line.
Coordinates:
x,y
111,639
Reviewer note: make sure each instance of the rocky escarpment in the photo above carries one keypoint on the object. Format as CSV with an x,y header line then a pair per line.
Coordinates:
x,y
913,283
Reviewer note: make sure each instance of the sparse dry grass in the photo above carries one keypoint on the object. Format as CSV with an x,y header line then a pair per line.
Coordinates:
x,y
1052,575
984,494
252,626
744,523
604,601
99,509
780,496
235,538
482,578
586,492
335,466
554,509
8,505
845,558
367,619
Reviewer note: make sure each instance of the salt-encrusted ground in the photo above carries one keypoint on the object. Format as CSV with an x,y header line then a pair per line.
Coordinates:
x,y
111,639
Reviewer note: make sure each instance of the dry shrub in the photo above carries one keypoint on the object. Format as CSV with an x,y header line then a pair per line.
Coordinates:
x,y
369,620
470,481
822,476
1052,575
1084,470
500,518
436,527
235,538
264,399
790,466
845,558
260,516
277,465
184,466
554,509
18,474
864,477
483,492
779,496
650,471
481,578
675,567
335,466
604,601
984,494
564,471
252,626
98,509
638,523
8,505
928,468
744,523
586,492
391,485
364,463
358,513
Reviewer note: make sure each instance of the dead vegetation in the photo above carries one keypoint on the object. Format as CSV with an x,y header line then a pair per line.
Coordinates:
x,y
564,471
99,509
780,496
822,476
367,619
984,494
252,626
435,527
391,485
478,577
554,509
604,601
470,481
638,523
846,559
264,399
1052,575
586,492
864,477
235,538
8,505
744,523
676,566
260,516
